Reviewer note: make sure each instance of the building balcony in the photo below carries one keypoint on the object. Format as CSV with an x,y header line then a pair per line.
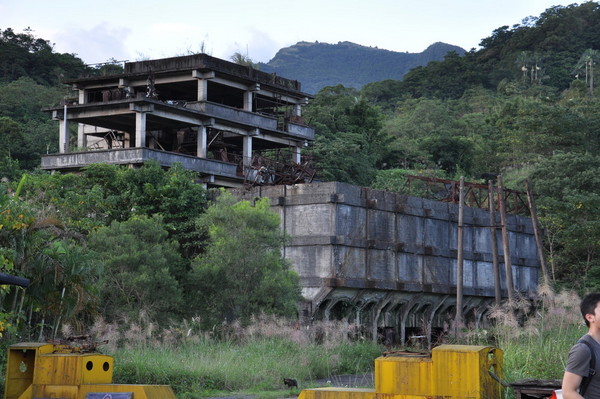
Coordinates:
x,y
137,156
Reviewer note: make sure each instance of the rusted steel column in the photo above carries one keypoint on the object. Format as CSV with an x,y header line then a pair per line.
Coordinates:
x,y
536,232
459,261
495,265
505,242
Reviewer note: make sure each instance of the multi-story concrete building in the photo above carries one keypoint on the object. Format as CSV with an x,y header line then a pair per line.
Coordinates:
x,y
213,116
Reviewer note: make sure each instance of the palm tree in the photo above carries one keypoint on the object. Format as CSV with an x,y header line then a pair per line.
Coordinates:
x,y
523,61
587,61
529,63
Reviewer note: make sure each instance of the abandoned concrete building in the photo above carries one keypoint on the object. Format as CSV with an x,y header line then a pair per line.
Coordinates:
x,y
384,261
388,261
215,117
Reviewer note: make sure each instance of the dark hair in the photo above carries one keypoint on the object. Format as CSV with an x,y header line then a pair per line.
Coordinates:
x,y
588,305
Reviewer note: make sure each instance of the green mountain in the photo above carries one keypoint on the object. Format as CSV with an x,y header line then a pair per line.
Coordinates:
x,y
317,64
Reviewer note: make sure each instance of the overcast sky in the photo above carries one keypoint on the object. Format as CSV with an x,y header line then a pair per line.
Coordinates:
x,y
133,30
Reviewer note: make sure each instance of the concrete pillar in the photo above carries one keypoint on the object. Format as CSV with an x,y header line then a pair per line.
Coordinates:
x,y
297,109
201,144
202,90
82,96
247,151
296,156
248,96
140,129
81,137
63,140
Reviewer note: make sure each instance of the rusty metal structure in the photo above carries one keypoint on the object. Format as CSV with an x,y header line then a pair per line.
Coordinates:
x,y
476,194
274,171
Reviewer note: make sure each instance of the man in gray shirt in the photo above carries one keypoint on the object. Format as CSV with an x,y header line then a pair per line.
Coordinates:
x,y
578,368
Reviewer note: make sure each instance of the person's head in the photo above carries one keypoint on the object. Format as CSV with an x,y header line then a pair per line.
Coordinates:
x,y
588,305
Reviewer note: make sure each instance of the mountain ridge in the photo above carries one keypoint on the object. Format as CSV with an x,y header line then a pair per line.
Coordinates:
x,y
319,64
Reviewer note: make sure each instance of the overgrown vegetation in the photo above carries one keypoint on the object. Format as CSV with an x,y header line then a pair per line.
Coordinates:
x,y
255,358
519,107
105,242
235,358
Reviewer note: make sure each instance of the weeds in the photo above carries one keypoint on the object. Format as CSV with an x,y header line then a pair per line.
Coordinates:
x,y
234,358
535,337
537,345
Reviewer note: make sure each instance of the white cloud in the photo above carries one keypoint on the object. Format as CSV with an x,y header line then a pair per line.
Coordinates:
x,y
257,44
94,45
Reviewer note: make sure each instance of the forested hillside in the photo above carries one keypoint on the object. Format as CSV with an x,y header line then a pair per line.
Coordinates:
x,y
317,65
524,105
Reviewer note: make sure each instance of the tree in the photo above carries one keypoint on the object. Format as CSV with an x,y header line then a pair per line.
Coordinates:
x,y
587,62
24,55
37,245
21,101
350,143
569,208
445,79
242,271
451,154
105,193
141,266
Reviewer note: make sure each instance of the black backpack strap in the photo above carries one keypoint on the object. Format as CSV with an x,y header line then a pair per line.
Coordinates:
x,y
592,372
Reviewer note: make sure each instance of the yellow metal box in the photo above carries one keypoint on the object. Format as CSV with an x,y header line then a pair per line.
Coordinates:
x,y
452,371
20,366
37,370
74,369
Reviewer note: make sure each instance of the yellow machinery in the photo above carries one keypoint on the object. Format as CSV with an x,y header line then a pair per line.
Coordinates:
x,y
38,370
450,372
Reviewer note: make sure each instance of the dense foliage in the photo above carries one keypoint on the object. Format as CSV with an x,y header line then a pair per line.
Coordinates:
x,y
116,242
242,272
523,106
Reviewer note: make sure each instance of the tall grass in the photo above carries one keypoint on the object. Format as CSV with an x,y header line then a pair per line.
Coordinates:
x,y
537,345
234,358
257,365
535,337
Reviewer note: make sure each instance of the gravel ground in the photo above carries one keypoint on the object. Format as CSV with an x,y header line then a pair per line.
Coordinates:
x,y
343,381
347,381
